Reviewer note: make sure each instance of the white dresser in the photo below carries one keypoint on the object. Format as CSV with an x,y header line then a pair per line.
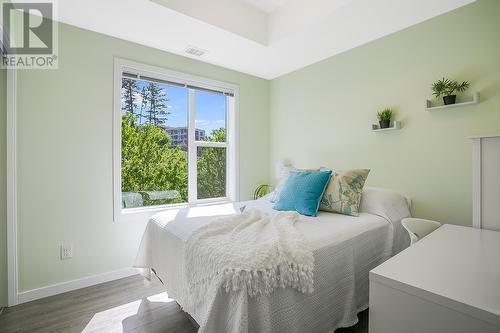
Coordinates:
x,y
449,282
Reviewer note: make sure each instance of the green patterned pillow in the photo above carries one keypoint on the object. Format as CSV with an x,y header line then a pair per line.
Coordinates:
x,y
343,192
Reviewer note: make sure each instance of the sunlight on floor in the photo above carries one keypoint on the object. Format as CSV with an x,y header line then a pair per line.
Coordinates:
x,y
111,320
161,297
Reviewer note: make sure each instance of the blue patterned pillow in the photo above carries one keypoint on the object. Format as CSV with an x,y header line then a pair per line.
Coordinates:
x,y
302,191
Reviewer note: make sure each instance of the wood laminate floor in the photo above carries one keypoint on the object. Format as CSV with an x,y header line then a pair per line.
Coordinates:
x,y
121,306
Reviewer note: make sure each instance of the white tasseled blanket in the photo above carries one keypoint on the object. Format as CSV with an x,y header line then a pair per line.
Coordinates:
x,y
254,250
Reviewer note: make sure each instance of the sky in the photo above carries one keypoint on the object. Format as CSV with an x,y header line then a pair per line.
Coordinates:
x,y
210,109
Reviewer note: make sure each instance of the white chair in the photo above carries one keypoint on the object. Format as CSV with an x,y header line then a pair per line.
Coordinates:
x,y
419,228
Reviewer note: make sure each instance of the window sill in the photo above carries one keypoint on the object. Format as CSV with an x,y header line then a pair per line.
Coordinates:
x,y
140,213
138,210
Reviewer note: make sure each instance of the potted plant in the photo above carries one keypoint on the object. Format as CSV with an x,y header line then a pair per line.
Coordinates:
x,y
448,89
384,118
261,191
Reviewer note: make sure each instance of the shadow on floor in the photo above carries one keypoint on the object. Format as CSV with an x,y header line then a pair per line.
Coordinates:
x,y
360,327
159,317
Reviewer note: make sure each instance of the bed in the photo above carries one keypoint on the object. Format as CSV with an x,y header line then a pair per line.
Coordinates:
x,y
345,249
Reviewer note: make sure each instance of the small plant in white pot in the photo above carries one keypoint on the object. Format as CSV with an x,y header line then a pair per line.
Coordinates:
x,y
448,89
384,118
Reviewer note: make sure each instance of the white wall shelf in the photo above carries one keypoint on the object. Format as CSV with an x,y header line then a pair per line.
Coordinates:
x,y
430,107
395,126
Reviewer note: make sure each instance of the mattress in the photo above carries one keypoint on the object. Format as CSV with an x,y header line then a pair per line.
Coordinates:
x,y
345,249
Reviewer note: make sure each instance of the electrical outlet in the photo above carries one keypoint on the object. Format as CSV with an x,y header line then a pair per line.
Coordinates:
x,y
66,251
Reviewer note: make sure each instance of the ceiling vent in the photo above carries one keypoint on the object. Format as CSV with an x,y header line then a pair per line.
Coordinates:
x,y
196,51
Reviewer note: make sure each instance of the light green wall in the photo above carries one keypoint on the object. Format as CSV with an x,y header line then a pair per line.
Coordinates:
x,y
3,213
65,155
322,114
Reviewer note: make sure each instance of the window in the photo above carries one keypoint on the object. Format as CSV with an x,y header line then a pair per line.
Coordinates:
x,y
174,138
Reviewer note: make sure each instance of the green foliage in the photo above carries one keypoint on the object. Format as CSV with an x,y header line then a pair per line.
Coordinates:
x,y
156,102
130,89
385,114
148,164
153,107
212,168
447,87
218,135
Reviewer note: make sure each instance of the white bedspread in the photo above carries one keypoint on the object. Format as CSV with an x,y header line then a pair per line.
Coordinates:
x,y
254,251
345,249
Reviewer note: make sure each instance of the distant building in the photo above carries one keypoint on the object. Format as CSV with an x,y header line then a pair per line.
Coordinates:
x,y
179,136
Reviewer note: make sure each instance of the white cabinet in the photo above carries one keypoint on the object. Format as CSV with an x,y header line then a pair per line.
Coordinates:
x,y
449,282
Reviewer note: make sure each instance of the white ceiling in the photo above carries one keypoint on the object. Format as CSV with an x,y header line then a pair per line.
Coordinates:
x,y
267,6
266,38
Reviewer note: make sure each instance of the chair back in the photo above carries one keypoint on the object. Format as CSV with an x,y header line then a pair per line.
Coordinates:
x,y
419,228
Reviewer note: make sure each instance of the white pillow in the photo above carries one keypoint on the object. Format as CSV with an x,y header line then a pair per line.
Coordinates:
x,y
285,170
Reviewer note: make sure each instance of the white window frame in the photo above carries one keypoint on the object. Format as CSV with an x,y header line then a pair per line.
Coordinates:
x,y
231,144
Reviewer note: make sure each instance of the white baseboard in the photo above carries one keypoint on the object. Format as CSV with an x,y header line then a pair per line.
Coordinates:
x,y
58,288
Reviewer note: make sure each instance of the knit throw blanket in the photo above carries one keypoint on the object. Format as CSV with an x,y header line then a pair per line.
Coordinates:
x,y
253,251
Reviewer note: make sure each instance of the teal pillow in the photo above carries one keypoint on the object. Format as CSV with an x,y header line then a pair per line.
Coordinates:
x,y
302,191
